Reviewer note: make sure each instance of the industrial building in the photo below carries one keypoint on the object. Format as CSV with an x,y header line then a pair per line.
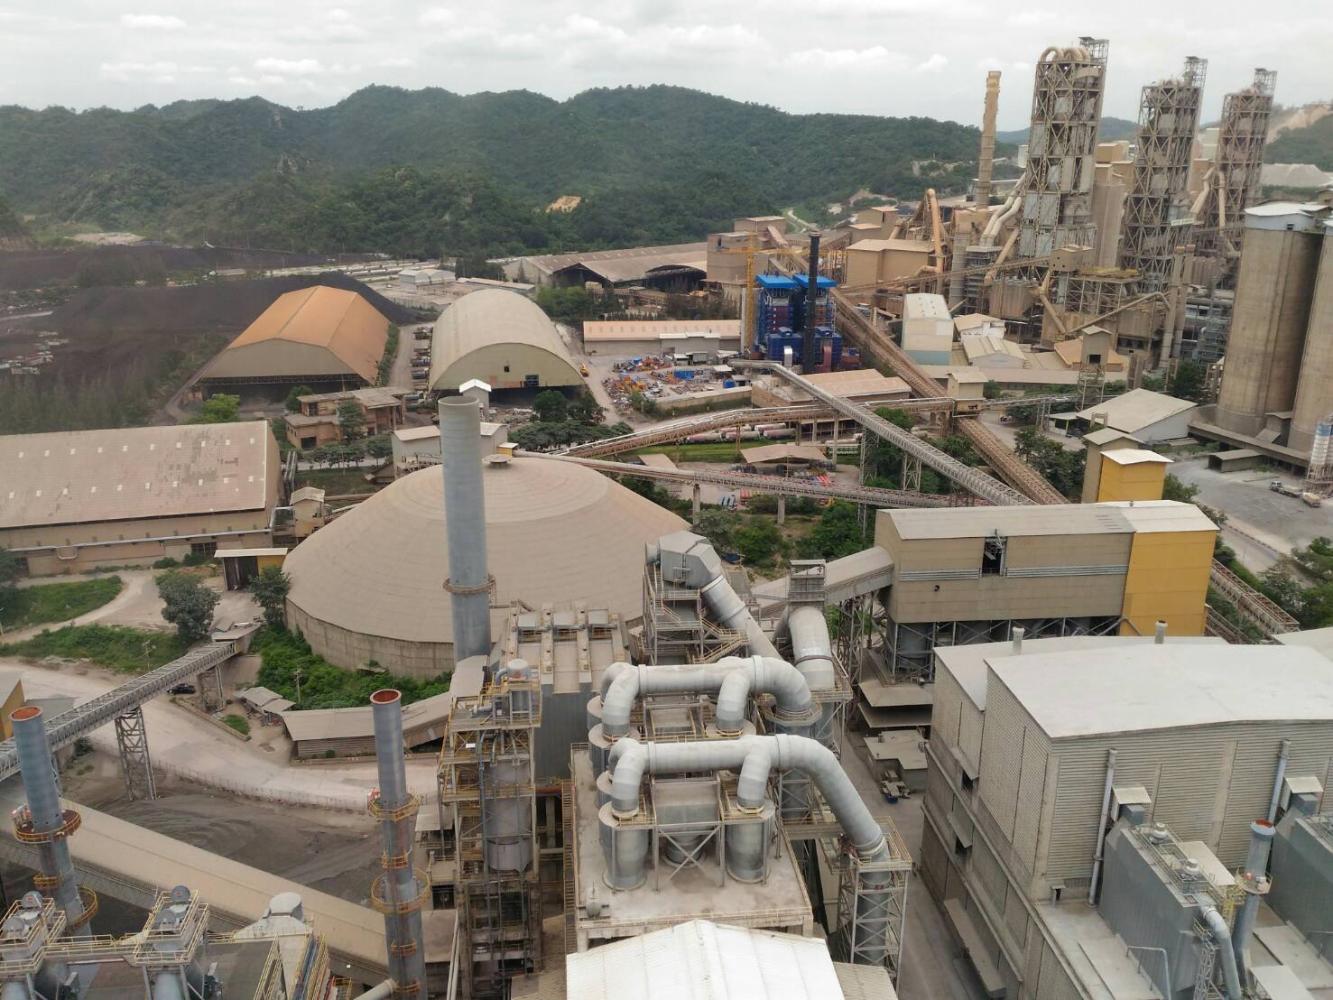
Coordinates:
x,y
1277,378
927,329
1090,799
75,500
330,339
1150,417
505,340
317,421
661,336
679,267
366,586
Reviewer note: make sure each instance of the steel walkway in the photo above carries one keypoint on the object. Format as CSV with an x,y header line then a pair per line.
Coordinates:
x,y
81,720
758,483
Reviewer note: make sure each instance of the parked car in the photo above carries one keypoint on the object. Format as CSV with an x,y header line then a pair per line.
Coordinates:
x,y
182,689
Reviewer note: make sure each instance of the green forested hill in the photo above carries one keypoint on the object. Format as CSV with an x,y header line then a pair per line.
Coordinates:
x,y
1110,129
391,169
1304,145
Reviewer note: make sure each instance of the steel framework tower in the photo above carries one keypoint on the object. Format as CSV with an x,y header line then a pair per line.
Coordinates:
x,y
1239,161
986,155
1155,220
1066,110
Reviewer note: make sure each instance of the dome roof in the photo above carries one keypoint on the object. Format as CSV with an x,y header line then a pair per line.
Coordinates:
x,y
486,333
556,533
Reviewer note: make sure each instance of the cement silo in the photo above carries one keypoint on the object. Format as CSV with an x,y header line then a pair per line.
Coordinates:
x,y
1273,294
1314,395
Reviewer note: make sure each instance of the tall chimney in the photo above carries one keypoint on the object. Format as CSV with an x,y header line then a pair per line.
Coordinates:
x,y
1254,880
811,297
469,583
397,893
46,824
986,156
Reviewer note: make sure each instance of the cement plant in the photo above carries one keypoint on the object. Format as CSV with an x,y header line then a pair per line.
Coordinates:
x,y
921,604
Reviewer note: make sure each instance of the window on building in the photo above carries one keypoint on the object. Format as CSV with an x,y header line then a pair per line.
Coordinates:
x,y
307,442
203,548
1094,359
992,555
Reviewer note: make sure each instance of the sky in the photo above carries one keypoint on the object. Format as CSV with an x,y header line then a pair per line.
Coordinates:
x,y
889,57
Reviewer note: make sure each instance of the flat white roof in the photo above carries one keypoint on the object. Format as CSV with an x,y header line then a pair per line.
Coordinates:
x,y
1134,456
925,305
1137,409
240,553
1167,686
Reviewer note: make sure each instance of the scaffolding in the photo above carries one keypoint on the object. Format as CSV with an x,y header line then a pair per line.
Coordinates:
x,y
1066,110
676,627
1238,165
487,774
1155,221
132,741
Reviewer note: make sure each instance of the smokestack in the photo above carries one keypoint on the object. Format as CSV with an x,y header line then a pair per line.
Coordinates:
x,y
811,295
986,157
1018,633
1254,880
45,823
1159,633
397,893
469,583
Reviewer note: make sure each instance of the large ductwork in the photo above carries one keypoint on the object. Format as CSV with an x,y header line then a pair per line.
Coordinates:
x,y
1221,934
734,679
44,822
469,582
397,892
1254,880
812,646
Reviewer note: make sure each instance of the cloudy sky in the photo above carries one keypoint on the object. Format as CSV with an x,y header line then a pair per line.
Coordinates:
x,y
894,57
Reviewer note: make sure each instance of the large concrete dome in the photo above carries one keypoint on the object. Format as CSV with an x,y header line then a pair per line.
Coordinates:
x,y
369,586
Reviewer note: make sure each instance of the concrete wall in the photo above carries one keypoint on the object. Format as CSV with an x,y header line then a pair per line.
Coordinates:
x,y
1267,339
351,650
1140,481
1314,394
1168,580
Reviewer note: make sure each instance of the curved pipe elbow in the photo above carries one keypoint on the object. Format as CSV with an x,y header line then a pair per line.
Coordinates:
x,y
1217,927
629,759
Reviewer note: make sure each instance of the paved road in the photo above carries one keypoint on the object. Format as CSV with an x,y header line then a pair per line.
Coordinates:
x,y
184,745
401,372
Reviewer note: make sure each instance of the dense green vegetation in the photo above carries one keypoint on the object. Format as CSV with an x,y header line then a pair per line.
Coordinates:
x,y
429,171
290,668
1304,145
1310,603
1063,469
128,650
1110,129
11,226
55,602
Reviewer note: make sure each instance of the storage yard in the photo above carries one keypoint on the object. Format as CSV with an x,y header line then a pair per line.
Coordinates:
x,y
1014,731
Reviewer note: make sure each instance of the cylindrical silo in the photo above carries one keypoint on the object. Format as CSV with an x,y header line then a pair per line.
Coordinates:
x,y
1272,311
1314,393
465,525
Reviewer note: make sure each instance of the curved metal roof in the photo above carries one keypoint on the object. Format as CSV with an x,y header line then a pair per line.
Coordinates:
x,y
555,533
485,318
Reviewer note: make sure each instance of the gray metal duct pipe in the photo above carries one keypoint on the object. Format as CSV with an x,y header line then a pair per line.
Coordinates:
x,y
811,646
756,756
469,583
1217,927
1094,884
1255,884
730,611
735,679
381,992
394,808
48,816
1283,756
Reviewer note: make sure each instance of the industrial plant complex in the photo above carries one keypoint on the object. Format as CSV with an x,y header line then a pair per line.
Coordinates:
x,y
1029,731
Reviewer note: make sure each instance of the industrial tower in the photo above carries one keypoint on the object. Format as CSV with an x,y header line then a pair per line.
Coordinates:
x,y
1155,221
1066,109
1239,161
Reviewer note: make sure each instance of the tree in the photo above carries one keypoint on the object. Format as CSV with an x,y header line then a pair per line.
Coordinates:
x,y
585,409
718,525
187,604
219,409
10,569
758,540
352,419
1188,383
269,588
320,454
379,447
293,401
837,534
551,406
1174,488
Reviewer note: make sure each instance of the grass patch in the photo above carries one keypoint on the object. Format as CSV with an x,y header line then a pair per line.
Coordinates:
x,y
127,650
717,451
322,684
338,482
56,602
237,722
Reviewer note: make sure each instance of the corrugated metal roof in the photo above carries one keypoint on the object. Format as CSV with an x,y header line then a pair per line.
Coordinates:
x,y
653,329
925,305
491,316
338,320
626,264
1137,409
878,246
864,982
1162,515
970,321
555,532
128,473
1135,456
1167,686
984,345
783,453
700,960
1318,639
977,522
1105,435
307,493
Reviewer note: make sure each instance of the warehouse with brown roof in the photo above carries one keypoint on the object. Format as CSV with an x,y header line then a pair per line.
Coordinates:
x,y
71,501
503,339
326,338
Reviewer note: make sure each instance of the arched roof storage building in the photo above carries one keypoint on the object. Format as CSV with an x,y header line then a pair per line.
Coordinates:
x,y
319,336
502,338
369,586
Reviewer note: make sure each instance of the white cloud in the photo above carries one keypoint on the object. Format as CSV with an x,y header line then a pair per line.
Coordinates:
x,y
934,64
872,57
123,72
152,22
437,15
289,67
